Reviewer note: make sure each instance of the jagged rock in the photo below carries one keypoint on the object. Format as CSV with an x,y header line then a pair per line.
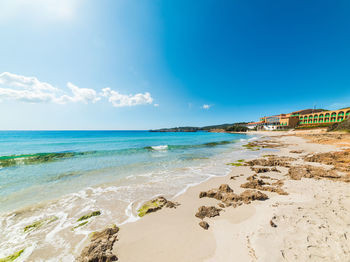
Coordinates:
x,y
205,211
100,248
224,188
213,193
250,195
259,184
204,224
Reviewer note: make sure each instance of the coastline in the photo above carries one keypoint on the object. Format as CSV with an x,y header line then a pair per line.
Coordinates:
x,y
59,237
246,232
243,230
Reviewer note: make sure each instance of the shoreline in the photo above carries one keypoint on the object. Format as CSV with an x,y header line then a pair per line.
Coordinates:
x,y
174,234
241,230
65,221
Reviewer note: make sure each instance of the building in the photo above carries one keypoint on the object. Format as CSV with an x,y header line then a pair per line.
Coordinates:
x,y
303,117
324,117
276,122
253,125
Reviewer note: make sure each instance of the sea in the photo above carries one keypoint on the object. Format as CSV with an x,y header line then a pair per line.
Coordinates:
x,y
49,179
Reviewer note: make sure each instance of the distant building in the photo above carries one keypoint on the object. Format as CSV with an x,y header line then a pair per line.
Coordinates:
x,y
301,117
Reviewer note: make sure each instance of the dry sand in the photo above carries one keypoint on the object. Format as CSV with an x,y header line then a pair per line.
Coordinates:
x,y
312,221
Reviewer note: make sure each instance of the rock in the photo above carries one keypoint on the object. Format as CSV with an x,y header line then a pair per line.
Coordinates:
x,y
271,161
224,188
155,205
260,169
204,225
249,195
100,247
205,211
272,223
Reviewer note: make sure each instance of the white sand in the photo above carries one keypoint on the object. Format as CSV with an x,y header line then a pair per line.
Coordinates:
x,y
313,222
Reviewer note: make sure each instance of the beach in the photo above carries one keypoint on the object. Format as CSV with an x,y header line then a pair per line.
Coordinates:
x,y
269,197
307,223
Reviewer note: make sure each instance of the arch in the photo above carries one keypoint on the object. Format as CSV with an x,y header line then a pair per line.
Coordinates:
x,y
311,116
347,114
315,116
321,115
334,114
341,113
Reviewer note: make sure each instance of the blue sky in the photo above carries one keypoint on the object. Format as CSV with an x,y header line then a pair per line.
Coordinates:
x,y
80,64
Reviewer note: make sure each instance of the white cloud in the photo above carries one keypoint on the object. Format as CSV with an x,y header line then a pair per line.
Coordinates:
x,y
30,89
156,105
206,106
120,100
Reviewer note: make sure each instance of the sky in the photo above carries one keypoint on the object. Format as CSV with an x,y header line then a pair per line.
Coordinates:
x,y
123,65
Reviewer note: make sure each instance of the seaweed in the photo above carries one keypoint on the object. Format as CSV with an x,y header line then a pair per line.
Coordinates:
x,y
40,223
80,225
12,257
87,216
239,162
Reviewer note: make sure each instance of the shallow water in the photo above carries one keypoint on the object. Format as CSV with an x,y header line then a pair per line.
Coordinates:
x,y
109,171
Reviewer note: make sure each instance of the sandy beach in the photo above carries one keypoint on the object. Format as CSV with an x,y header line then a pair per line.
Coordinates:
x,y
304,218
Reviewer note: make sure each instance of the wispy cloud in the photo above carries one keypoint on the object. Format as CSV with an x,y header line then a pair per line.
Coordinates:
x,y
120,100
30,89
206,106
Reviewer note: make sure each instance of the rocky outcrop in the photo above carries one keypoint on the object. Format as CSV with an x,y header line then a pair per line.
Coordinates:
x,y
156,204
228,198
100,248
256,183
205,211
340,160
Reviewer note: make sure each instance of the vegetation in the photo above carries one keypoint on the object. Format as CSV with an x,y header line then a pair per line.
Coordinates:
x,y
40,223
237,128
87,216
12,257
343,126
195,129
312,126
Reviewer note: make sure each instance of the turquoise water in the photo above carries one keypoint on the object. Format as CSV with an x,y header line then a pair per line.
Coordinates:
x,y
48,164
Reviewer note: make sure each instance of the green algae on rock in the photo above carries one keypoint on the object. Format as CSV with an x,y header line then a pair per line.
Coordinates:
x,y
239,162
40,223
12,257
154,205
80,225
87,216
